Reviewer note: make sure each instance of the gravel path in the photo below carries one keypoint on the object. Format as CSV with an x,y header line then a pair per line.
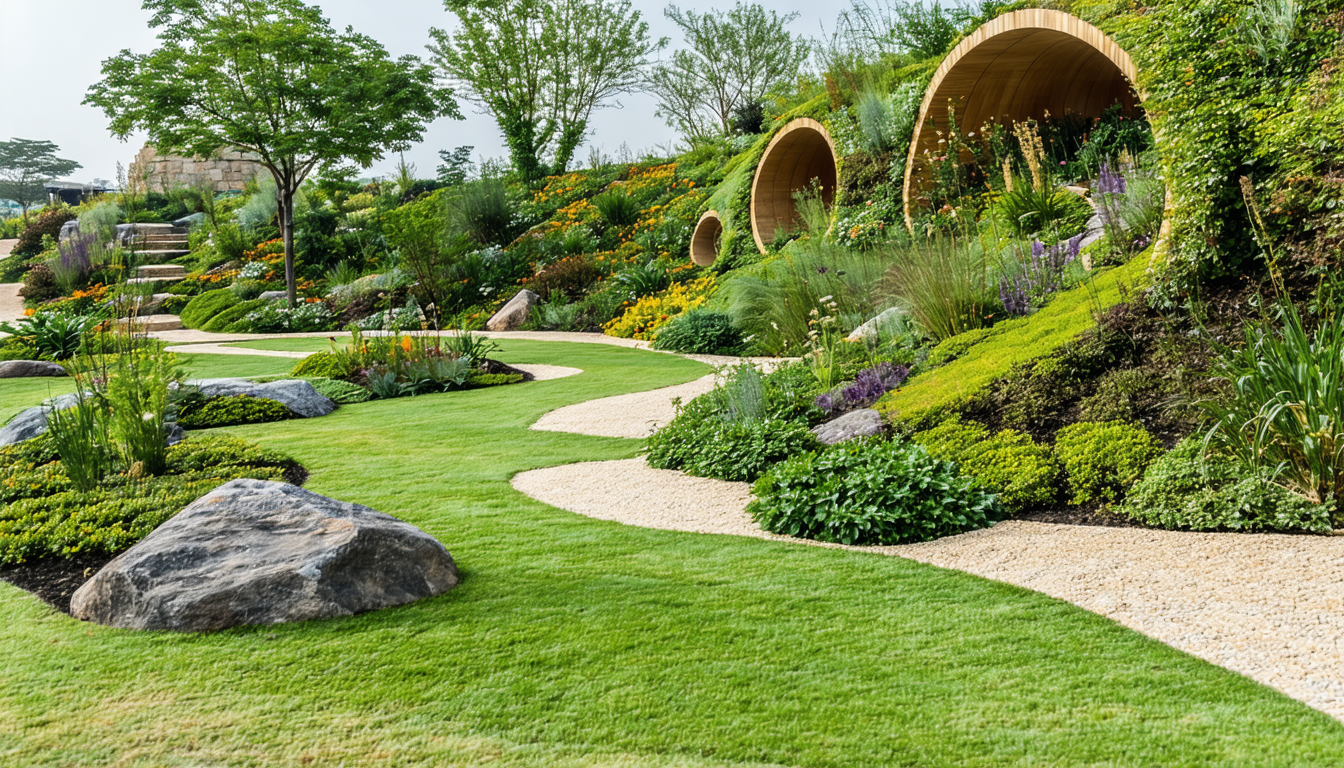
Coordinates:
x,y
1266,606
636,415
7,246
11,304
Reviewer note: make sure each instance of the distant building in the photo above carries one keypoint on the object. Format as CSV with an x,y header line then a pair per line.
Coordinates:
x,y
72,192
226,171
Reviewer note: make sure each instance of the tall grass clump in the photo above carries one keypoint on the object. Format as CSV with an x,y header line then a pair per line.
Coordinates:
x,y
616,208
876,121
1282,418
775,304
482,210
80,437
945,284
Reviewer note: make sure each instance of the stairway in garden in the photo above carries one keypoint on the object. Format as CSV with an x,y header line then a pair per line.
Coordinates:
x,y
156,247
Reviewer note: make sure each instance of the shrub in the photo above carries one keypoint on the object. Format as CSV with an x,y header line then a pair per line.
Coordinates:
x,y
1103,459
232,410
709,446
616,208
1283,416
1184,490
643,279
569,277
340,392
868,386
42,516
277,318
870,492
478,379
1009,464
47,223
327,365
700,332
232,319
482,210
55,335
174,304
14,348
202,308
1026,211
40,284
642,320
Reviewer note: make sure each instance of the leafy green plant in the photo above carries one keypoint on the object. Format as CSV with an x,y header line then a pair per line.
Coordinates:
x,y
329,365
79,437
643,279
870,492
338,391
232,410
1026,211
710,446
1282,418
478,379
55,335
1103,459
343,274
1185,490
1009,464
700,332
469,346
617,209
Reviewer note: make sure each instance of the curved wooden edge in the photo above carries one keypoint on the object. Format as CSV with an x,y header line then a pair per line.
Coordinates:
x,y
1038,19
705,239
769,159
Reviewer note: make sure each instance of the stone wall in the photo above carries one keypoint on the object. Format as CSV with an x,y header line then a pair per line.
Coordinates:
x,y
227,170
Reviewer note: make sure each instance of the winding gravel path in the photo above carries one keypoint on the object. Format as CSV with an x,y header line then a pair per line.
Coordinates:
x,y
1267,606
11,304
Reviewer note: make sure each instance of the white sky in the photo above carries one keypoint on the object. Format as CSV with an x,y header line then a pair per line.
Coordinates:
x,y
51,51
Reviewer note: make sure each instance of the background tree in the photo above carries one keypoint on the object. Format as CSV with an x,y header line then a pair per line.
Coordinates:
x,y
269,77
734,57
26,166
541,67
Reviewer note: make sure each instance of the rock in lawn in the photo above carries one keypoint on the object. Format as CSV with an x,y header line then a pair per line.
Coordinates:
x,y
19,369
511,316
861,423
299,396
32,422
259,552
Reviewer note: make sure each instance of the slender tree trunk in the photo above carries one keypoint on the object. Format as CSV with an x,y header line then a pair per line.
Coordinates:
x,y
287,230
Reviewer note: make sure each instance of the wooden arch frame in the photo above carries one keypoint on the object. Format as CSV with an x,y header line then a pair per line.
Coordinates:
x,y
800,152
705,239
1019,66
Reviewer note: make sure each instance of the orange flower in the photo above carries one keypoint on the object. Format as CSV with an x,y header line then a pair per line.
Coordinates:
x,y
406,343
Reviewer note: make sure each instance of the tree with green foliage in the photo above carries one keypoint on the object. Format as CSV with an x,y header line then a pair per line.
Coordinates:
x,y
273,79
26,165
541,67
734,57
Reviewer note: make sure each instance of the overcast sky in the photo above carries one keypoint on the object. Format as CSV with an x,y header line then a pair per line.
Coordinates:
x,y
52,50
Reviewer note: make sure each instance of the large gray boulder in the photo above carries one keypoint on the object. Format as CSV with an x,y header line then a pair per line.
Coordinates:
x,y
861,423
32,422
299,396
20,369
259,552
514,314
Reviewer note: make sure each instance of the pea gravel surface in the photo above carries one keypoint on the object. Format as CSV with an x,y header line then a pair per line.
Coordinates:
x,y
1267,606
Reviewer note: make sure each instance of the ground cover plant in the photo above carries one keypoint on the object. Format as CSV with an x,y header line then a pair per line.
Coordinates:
x,y
831,638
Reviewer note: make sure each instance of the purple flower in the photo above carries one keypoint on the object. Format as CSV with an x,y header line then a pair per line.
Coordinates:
x,y
826,403
1015,295
823,270
1110,182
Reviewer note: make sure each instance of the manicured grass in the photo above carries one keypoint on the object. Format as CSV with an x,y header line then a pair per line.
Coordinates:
x,y
295,345
575,642
1058,322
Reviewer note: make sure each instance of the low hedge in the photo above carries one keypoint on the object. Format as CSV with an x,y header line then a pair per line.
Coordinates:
x,y
233,319
326,365
232,410
700,332
202,308
1022,473
1103,459
1184,490
870,492
41,516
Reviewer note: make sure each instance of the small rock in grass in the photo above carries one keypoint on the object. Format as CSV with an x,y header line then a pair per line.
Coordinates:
x,y
259,552
861,423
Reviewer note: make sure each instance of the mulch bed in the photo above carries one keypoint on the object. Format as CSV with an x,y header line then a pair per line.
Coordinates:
x,y
1092,514
54,579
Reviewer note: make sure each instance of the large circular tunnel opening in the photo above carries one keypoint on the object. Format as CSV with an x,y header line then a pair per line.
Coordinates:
x,y
705,239
1020,66
799,155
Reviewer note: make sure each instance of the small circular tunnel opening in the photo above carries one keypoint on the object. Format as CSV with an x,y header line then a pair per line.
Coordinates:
x,y
705,239
799,154
1022,65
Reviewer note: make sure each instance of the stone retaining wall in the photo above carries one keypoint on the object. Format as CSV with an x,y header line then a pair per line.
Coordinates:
x,y
228,170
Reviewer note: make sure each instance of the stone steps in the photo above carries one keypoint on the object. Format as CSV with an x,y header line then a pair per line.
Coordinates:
x,y
153,323
163,255
171,271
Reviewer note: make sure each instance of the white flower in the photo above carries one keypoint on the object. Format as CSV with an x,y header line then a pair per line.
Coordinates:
x,y
148,416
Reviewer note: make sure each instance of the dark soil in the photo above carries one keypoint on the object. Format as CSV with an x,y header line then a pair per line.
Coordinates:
x,y
54,579
1092,514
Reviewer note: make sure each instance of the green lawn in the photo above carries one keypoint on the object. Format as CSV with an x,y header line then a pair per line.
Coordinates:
x,y
575,642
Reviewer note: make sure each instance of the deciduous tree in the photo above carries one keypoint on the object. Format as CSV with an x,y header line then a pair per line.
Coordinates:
x,y
269,77
26,165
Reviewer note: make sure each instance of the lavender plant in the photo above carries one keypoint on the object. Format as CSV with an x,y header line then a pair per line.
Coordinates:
x,y
1029,282
73,262
867,387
